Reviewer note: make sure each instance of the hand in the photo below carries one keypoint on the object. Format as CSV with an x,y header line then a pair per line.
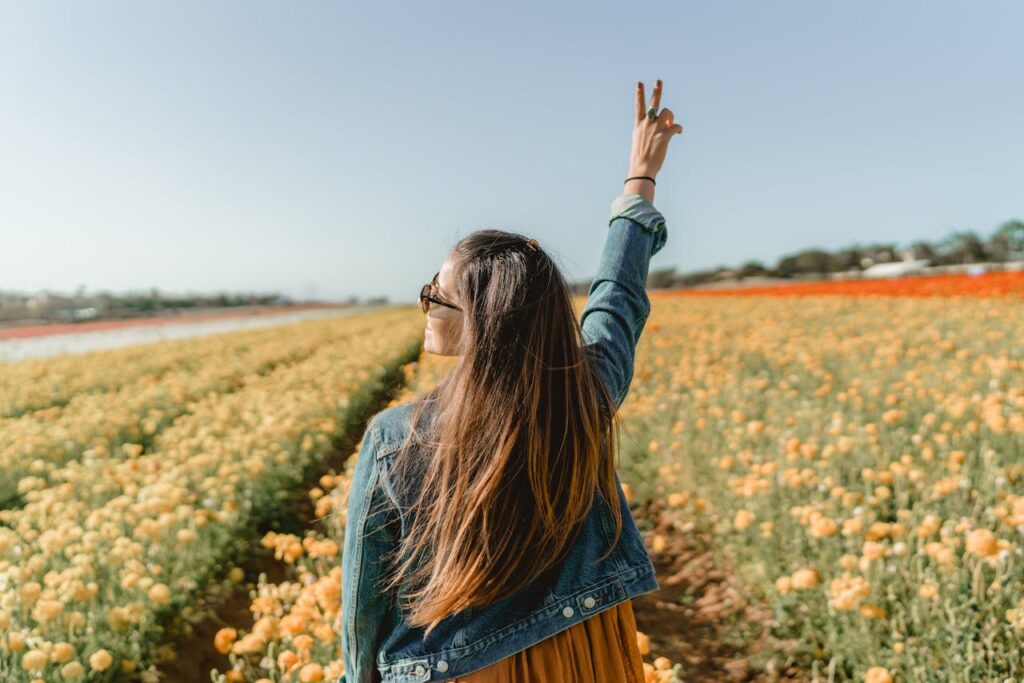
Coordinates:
x,y
650,138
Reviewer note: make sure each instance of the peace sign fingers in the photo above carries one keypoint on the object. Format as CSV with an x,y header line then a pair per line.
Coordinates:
x,y
656,95
651,136
641,102
641,99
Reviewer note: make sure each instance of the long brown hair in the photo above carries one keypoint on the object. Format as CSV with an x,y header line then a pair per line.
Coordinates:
x,y
518,444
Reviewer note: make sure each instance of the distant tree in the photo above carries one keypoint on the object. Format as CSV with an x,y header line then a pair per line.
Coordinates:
x,y
847,259
961,246
945,249
922,250
813,261
751,269
787,266
973,247
661,278
999,249
580,288
1007,242
880,252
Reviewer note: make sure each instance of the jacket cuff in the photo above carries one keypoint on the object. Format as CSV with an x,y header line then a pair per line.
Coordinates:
x,y
638,208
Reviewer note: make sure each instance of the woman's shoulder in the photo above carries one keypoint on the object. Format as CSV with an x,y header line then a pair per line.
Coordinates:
x,y
394,422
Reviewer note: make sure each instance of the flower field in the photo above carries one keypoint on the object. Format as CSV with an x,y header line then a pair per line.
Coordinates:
x,y
111,544
141,395
857,461
990,284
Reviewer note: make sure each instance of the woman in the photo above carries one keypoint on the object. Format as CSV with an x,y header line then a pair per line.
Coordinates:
x,y
507,468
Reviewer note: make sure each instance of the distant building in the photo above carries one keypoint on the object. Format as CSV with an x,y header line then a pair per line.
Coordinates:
x,y
896,268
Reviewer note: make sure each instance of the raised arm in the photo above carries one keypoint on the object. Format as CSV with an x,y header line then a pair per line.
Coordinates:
x,y
617,305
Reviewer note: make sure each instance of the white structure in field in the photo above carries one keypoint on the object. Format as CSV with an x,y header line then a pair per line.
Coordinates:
x,y
896,268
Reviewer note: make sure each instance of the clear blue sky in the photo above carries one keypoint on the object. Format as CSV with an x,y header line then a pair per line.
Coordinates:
x,y
337,149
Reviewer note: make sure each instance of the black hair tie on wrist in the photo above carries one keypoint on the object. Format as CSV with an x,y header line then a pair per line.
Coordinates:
x,y
641,177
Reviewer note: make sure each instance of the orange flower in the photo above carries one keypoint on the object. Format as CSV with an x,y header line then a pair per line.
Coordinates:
x,y
982,542
224,639
878,674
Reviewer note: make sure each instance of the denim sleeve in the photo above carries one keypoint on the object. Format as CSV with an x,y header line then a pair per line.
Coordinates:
x,y
617,305
370,532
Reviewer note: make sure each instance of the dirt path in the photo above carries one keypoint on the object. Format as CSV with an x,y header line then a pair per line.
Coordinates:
x,y
195,654
700,616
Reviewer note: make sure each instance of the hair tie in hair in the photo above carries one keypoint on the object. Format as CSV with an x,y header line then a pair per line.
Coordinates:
x,y
532,244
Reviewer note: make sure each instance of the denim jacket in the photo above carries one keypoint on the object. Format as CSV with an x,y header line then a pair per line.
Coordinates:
x,y
376,644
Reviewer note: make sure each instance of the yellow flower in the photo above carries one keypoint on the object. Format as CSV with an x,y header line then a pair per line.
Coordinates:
x,y
878,674
982,542
872,611
47,610
293,624
847,591
185,536
72,671
848,561
34,660
852,526
678,499
643,642
100,660
287,660
743,519
62,652
873,551
15,642
311,673
805,578
877,531
159,593
658,543
822,527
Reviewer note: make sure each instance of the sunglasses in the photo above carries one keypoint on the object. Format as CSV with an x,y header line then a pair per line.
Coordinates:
x,y
427,298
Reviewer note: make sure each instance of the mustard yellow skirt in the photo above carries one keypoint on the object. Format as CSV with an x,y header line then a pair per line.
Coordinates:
x,y
600,649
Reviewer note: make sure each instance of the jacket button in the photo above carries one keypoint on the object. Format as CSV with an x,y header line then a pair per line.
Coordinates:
x,y
442,665
588,602
419,670
567,611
